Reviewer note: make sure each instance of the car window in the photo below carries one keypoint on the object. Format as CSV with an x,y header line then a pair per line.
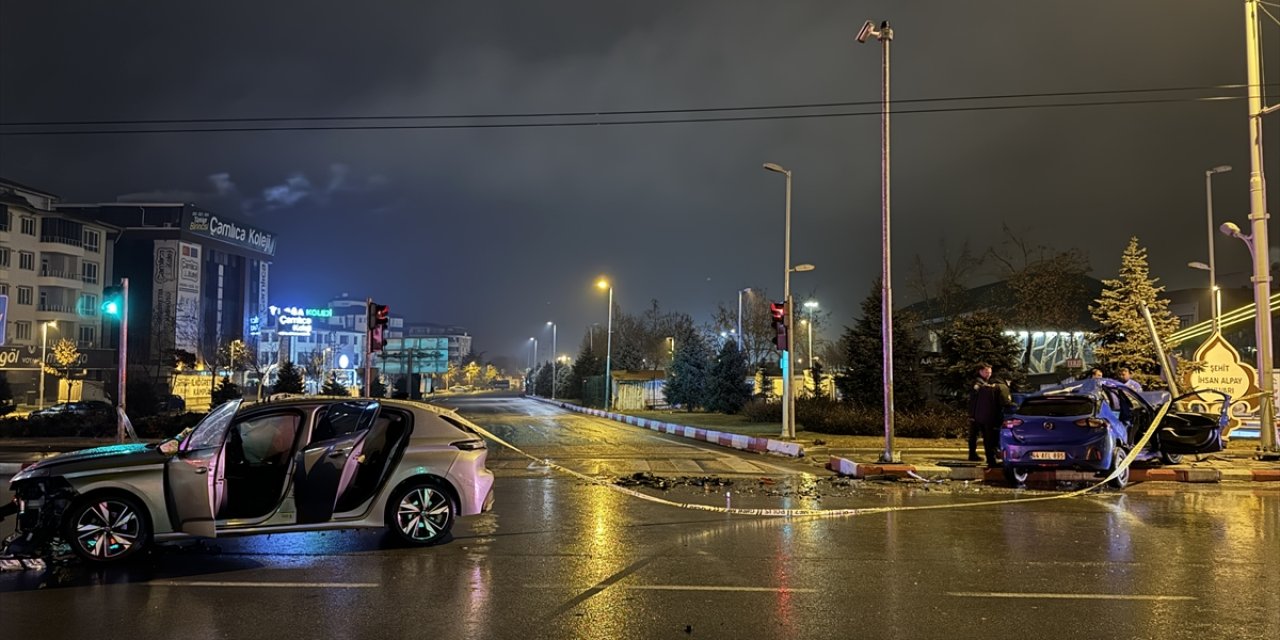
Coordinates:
x,y
263,439
343,418
213,428
1056,406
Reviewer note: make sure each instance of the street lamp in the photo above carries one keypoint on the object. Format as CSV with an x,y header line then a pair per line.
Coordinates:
x,y
740,292
608,346
533,355
1213,282
788,394
811,305
553,359
885,35
1261,287
44,355
1215,293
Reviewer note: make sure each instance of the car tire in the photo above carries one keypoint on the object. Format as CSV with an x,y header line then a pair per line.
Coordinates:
x,y
1121,481
421,513
107,528
1016,476
1170,458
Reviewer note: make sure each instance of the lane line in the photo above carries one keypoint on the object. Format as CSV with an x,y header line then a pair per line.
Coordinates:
x,y
1066,596
604,584
271,585
685,587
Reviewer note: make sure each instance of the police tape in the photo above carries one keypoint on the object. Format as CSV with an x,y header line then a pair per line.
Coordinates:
x,y
1129,458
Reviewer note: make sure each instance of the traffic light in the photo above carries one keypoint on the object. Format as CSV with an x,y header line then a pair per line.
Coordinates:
x,y
379,319
112,301
779,312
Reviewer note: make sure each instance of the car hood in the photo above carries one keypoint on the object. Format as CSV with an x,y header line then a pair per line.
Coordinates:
x,y
108,457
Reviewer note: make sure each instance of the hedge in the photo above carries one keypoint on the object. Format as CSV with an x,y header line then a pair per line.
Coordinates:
x,y
827,416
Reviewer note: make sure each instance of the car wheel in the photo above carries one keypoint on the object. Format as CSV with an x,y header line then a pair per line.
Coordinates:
x,y
1016,476
1117,456
107,529
421,513
1171,458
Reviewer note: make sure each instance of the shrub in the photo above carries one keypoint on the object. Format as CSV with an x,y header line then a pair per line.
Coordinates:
x,y
147,428
821,415
760,411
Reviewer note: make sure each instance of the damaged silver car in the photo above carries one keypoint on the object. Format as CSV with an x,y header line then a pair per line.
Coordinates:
x,y
303,464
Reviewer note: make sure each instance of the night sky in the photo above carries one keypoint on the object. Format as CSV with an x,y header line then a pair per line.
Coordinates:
x,y
502,229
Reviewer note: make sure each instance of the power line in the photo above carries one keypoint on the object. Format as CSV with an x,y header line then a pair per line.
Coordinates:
x,y
635,122
611,113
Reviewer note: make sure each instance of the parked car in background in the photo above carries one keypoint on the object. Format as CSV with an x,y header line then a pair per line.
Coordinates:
x,y
299,464
1092,425
87,409
171,404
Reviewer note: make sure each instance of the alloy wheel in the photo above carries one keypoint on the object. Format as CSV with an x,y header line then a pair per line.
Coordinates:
x,y
423,513
108,529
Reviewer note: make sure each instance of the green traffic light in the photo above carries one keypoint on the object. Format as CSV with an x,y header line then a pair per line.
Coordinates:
x,y
111,307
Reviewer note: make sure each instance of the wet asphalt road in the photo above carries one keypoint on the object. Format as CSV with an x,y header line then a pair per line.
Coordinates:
x,y
562,558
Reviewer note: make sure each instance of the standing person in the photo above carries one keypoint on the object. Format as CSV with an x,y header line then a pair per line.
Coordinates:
x,y
1127,379
985,415
1095,373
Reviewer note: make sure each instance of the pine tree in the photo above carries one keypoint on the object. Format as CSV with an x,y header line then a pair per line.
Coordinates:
x,y
818,377
288,379
1123,339
585,366
564,382
226,391
542,380
333,388
687,378
727,388
970,340
863,380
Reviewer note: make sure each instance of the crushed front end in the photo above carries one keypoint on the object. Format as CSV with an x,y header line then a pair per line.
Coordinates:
x,y
38,504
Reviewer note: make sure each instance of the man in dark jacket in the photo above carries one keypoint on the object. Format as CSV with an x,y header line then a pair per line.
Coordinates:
x,y
986,412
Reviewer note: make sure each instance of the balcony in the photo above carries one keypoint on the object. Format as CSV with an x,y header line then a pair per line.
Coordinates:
x,y
54,277
54,243
53,311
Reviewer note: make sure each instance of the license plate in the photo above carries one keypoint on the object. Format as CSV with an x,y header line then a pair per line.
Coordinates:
x,y
1048,455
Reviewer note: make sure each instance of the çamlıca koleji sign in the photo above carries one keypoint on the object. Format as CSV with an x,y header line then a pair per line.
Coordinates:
x,y
208,225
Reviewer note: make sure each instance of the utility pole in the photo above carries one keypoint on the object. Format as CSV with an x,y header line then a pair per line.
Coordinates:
x,y
1258,218
368,347
123,366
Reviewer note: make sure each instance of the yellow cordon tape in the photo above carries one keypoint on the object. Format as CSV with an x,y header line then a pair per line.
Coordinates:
x,y
837,513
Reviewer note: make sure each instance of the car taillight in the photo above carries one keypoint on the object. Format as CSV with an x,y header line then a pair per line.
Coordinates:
x,y
468,445
1093,423
1011,423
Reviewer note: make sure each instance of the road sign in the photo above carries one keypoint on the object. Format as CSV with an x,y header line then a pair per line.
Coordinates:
x,y
415,355
4,314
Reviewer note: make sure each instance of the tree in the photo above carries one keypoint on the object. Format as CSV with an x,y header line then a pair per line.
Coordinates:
x,y
334,388
226,391
564,382
757,324
66,354
542,380
944,291
727,389
585,366
288,379
862,383
687,378
490,374
817,376
314,365
472,372
969,340
1123,339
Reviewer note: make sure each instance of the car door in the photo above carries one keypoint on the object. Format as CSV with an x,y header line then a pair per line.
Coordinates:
x,y
1192,433
326,465
193,476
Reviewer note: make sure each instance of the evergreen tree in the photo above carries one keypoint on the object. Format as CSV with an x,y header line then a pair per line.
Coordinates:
x,y
288,379
863,380
6,396
727,387
542,380
585,366
969,340
564,382
819,378
1123,339
226,391
687,378
333,388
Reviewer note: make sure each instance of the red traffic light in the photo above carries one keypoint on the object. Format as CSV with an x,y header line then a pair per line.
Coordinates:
x,y
778,310
382,312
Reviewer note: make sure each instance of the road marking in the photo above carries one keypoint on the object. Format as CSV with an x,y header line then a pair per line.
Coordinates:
x,y
683,587
1066,596
276,585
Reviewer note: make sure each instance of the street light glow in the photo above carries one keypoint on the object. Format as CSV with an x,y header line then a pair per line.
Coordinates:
x,y
803,267
602,283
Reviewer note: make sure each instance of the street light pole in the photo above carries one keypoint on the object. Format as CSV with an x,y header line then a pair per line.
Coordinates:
x,y
810,306
553,359
740,292
885,35
44,359
608,351
1213,281
123,374
788,394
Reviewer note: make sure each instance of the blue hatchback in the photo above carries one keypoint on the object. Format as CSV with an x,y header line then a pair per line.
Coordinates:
x,y
1093,424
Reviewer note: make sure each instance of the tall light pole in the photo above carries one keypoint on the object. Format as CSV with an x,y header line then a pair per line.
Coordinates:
x,y
1213,281
810,305
788,394
740,292
553,359
608,348
44,356
1261,286
885,35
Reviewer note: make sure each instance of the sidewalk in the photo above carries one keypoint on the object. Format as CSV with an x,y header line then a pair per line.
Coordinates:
x,y
930,458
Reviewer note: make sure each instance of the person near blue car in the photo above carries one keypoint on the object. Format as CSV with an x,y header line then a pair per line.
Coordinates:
x,y
987,400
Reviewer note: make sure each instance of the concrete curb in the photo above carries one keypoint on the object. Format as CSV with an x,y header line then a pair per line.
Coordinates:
x,y
846,467
732,440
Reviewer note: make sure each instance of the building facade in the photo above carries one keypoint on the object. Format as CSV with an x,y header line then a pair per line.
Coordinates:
x,y
459,338
53,267
320,340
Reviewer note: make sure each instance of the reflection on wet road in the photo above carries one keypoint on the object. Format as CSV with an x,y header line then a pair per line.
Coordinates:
x,y
562,558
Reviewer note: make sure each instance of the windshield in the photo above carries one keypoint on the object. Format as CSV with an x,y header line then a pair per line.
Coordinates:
x,y
1056,406
210,431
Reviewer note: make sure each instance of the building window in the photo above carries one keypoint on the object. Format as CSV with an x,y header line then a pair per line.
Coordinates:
x,y
4,219
4,288
24,295
27,260
88,304
22,331
28,226
4,257
89,272
91,240
87,334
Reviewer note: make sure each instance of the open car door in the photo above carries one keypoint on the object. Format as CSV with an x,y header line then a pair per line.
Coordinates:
x,y
1190,432
327,464
193,476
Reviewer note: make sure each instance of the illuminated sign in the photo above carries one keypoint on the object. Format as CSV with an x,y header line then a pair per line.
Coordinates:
x,y
1218,367
292,321
205,224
